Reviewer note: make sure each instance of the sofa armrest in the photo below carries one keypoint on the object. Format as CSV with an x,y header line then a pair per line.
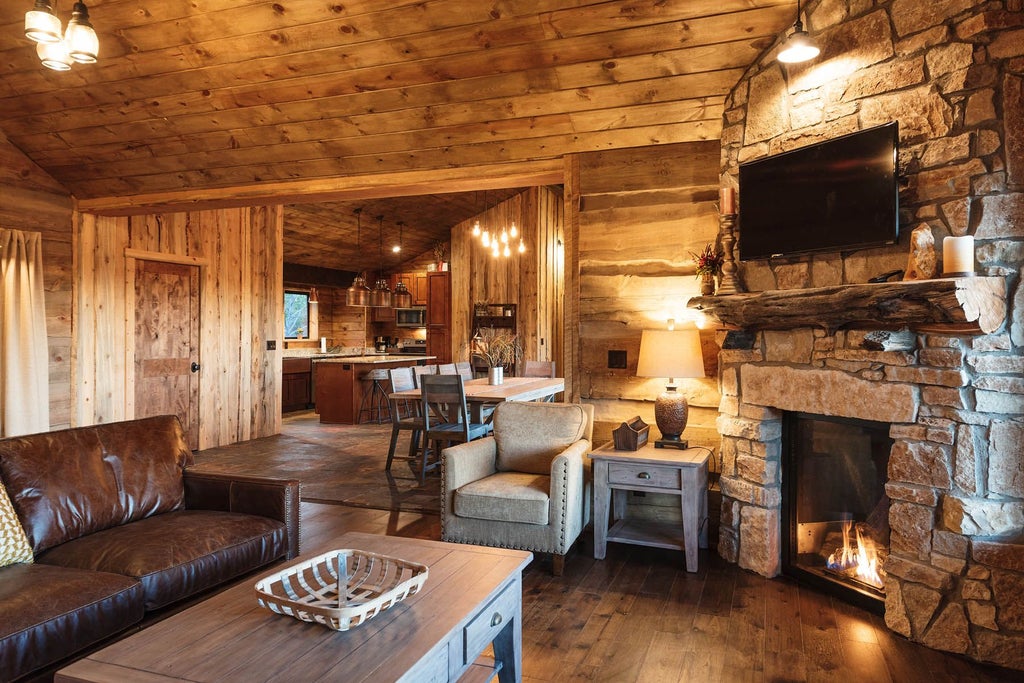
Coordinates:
x,y
274,498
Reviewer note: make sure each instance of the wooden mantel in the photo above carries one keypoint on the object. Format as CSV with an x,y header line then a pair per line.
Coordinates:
x,y
965,305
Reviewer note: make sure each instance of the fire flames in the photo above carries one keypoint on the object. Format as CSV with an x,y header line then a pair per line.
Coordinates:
x,y
860,562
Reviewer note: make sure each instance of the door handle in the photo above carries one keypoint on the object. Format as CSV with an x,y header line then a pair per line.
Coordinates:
x,y
644,475
194,367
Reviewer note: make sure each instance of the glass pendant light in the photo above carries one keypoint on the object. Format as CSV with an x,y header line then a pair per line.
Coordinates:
x,y
522,247
41,24
358,294
380,297
83,45
513,231
54,56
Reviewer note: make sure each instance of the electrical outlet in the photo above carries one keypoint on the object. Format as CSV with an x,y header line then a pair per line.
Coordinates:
x,y
271,345
617,360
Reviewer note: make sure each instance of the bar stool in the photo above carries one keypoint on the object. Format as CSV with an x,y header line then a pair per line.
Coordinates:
x,y
375,401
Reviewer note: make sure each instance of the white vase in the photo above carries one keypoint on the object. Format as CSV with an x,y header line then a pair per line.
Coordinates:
x,y
495,375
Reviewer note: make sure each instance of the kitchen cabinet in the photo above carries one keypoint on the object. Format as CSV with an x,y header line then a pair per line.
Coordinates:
x,y
439,306
418,287
340,387
296,384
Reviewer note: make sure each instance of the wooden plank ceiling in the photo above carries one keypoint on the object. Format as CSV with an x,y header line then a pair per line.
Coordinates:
x,y
229,100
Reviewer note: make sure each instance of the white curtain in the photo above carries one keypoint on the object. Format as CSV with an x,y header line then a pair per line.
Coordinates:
x,y
24,357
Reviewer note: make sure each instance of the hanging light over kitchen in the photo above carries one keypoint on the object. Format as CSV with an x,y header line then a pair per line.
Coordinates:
x,y
358,294
402,297
58,52
380,297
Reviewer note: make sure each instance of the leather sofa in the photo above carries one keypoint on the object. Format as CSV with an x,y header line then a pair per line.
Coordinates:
x,y
120,529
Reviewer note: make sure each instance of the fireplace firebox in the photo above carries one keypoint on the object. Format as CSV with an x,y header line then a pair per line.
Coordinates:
x,y
835,511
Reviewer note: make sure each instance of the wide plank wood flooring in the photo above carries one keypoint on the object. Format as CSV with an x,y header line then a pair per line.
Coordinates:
x,y
639,616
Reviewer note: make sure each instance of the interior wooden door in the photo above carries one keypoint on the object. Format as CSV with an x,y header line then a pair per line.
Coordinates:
x,y
167,343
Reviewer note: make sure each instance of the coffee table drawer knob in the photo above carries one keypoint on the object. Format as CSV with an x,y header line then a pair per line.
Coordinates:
x,y
643,475
496,619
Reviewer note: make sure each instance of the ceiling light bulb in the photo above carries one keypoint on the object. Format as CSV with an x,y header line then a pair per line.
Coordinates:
x,y
54,56
476,229
395,249
41,24
513,231
495,251
83,45
522,247
486,239
507,252
504,237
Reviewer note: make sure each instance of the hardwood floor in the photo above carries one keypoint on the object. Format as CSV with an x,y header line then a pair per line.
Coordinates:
x,y
639,616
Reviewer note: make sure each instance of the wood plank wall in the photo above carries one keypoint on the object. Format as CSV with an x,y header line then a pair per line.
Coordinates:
x,y
532,280
32,201
641,212
240,255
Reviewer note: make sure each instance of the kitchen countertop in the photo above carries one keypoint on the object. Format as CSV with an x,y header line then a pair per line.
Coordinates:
x,y
377,358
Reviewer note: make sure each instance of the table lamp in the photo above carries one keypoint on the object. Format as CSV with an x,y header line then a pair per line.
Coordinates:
x,y
670,353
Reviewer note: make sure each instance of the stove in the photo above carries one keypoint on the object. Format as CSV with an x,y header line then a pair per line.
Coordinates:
x,y
416,346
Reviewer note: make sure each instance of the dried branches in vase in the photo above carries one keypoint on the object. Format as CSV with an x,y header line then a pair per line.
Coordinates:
x,y
496,348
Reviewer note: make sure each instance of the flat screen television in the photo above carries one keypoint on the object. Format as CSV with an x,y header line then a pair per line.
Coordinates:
x,y
836,195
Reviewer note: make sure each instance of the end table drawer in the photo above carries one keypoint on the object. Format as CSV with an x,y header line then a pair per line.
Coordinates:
x,y
638,474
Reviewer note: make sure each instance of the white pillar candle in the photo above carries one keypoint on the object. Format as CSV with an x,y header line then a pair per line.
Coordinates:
x,y
958,254
323,344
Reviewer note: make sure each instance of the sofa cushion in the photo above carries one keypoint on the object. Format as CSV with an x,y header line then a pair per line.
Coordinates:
x,y
75,482
177,554
48,613
14,545
505,497
530,435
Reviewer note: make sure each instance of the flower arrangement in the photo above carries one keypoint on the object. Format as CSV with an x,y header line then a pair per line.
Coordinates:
x,y
496,348
709,261
440,252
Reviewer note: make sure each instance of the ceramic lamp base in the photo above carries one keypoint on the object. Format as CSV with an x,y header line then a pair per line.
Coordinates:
x,y
670,414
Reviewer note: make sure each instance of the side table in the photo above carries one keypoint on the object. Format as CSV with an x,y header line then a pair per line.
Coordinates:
x,y
683,473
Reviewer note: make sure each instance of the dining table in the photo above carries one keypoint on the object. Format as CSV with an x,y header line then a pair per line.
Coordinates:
x,y
480,393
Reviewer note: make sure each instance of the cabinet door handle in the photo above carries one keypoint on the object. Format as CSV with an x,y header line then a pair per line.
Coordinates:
x,y
644,475
194,367
496,619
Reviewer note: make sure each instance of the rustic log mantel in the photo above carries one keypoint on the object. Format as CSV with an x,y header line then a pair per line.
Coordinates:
x,y
965,305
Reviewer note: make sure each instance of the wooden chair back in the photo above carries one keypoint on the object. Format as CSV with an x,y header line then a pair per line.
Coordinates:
x,y
419,370
538,368
465,368
447,369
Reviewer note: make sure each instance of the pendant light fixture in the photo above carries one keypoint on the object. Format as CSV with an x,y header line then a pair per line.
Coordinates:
x,y
798,47
358,294
78,44
402,297
380,297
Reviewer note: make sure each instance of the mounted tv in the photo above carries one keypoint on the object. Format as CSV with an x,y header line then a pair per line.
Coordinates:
x,y
836,195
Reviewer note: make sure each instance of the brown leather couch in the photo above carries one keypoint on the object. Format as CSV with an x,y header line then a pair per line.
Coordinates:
x,y
119,529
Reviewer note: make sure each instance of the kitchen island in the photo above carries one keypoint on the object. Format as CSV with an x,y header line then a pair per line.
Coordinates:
x,y
339,391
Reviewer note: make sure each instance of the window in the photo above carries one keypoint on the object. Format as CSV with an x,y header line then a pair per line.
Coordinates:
x,y
296,315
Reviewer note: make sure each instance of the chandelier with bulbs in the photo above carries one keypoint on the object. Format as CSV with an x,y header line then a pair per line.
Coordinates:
x,y
501,243
58,50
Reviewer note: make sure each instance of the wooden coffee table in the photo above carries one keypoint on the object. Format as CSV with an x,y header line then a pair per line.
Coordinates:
x,y
472,598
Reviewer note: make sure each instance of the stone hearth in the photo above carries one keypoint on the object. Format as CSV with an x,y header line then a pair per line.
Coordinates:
x,y
955,479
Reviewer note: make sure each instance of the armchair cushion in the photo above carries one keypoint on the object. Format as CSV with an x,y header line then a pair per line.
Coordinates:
x,y
529,435
506,497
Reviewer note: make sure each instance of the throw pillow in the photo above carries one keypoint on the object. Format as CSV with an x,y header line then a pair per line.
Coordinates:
x,y
14,547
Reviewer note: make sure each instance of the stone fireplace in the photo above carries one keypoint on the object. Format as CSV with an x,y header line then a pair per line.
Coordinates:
x,y
954,480
951,72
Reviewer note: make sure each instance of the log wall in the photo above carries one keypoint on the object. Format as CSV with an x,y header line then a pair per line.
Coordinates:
x,y
641,212
239,253
32,201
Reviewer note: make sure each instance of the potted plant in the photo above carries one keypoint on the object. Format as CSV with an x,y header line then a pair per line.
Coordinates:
x,y
709,265
496,349
441,255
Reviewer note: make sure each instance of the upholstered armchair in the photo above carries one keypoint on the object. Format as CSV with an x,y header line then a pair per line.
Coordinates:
x,y
524,487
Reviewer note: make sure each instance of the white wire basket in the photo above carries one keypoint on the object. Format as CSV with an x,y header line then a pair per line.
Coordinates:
x,y
342,588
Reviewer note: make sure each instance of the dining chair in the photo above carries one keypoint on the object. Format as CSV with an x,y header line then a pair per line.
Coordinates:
x,y
402,379
539,368
445,417
447,369
465,368
420,370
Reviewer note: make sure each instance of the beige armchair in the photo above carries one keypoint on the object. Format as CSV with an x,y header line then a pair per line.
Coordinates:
x,y
524,487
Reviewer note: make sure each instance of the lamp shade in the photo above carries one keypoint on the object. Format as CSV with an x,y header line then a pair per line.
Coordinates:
x,y
798,48
41,24
670,353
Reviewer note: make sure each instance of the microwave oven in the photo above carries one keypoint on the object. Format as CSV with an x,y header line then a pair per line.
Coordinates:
x,y
411,317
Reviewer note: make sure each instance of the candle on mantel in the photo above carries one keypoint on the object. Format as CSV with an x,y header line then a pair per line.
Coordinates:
x,y
727,203
958,255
